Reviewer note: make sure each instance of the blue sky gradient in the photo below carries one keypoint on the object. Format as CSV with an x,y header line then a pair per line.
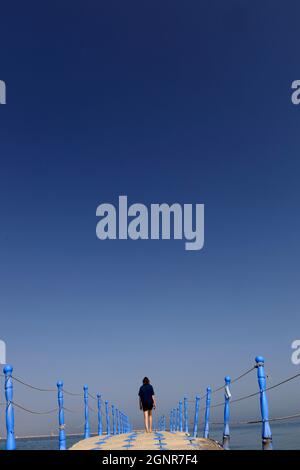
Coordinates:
x,y
163,102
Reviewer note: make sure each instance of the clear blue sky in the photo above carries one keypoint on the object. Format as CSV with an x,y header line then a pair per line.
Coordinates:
x,y
164,102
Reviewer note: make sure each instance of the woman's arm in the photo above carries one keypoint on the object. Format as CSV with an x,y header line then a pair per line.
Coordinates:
x,y
141,406
154,401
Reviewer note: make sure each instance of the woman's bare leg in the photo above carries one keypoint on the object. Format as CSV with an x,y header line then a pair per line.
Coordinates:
x,y
146,420
150,420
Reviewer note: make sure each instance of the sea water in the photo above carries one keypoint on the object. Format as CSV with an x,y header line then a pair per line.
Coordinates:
x,y
286,435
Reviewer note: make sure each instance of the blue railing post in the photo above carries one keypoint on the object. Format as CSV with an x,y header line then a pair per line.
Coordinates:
x,y
180,417
207,413
266,430
117,421
87,433
171,418
61,416
120,421
113,420
10,417
186,419
99,415
107,418
174,420
196,417
177,419
226,431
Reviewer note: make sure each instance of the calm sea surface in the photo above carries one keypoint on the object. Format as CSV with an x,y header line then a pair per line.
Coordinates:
x,y
285,436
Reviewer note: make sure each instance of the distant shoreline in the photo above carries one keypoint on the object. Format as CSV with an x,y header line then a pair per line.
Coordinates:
x,y
46,436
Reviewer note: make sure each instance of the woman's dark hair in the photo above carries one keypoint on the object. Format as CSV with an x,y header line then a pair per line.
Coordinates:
x,y
146,381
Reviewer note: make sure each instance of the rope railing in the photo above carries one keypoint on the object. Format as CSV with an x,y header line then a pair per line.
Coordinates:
x,y
106,415
254,394
213,391
119,420
69,410
92,397
179,420
257,421
21,407
281,418
92,410
17,379
67,392
236,400
236,379
176,420
72,394
32,386
26,384
283,382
